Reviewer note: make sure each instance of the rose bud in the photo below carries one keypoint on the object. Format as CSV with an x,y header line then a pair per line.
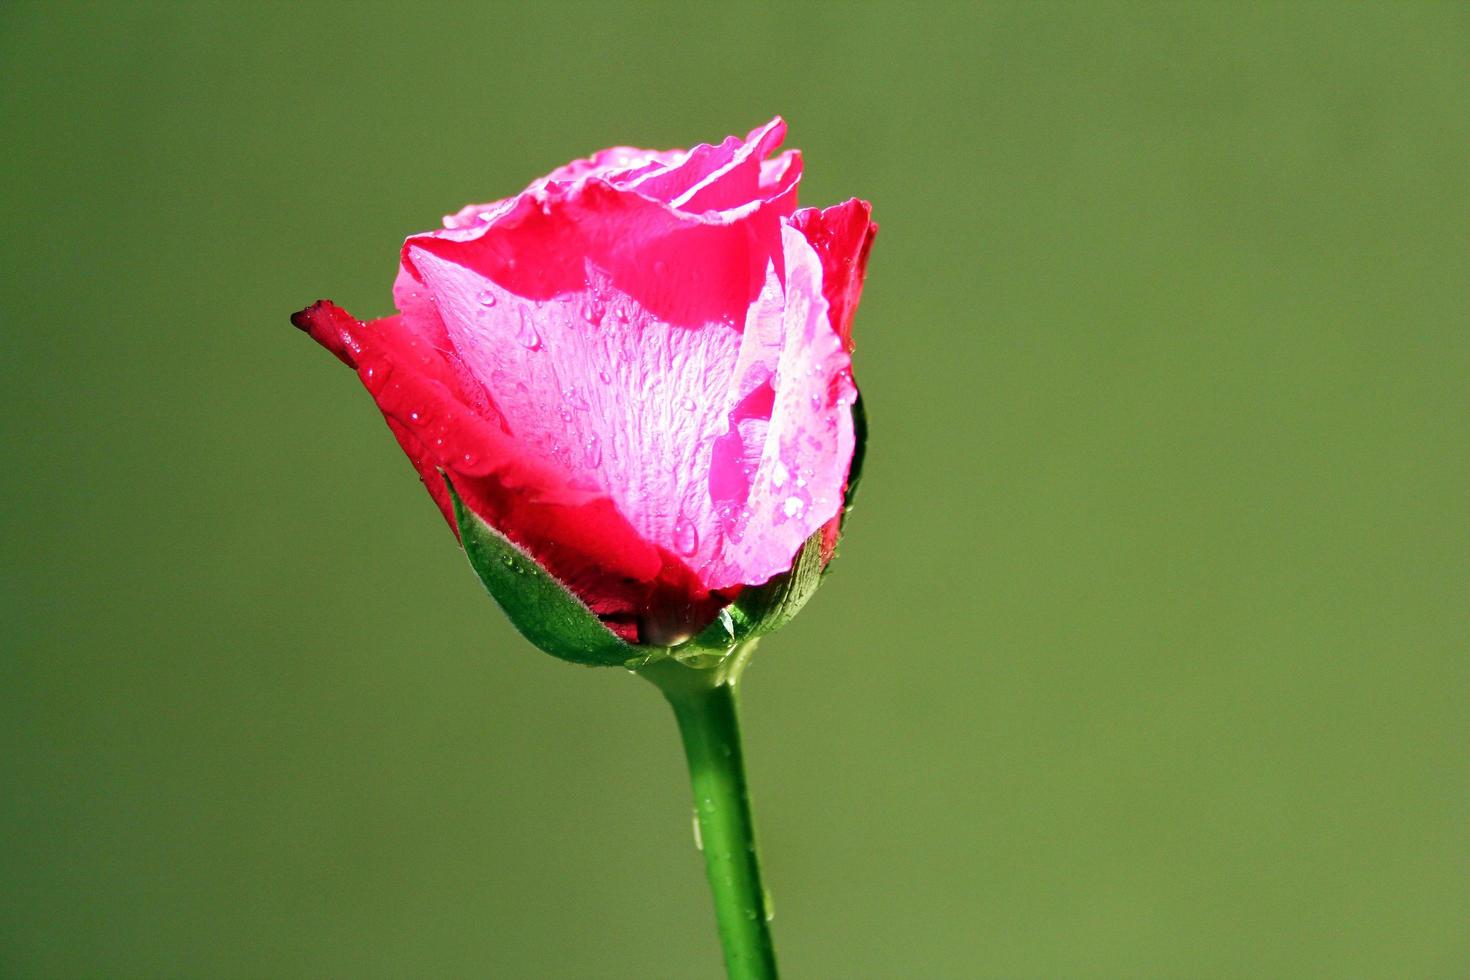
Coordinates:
x,y
628,389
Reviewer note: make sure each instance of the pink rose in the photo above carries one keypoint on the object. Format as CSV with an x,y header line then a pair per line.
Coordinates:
x,y
637,370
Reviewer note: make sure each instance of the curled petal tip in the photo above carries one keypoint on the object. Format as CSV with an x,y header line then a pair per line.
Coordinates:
x,y
332,327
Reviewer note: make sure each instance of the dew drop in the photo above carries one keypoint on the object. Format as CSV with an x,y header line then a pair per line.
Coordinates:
x,y
486,297
687,403
793,506
576,400
604,377
592,453
732,518
592,312
780,474
527,336
686,539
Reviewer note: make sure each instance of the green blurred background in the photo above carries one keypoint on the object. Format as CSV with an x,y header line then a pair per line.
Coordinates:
x,y
1147,655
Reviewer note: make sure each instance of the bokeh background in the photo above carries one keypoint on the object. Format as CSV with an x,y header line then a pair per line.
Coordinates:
x,y
1147,655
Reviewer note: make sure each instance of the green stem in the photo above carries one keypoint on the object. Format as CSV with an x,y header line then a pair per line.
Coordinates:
x,y
704,703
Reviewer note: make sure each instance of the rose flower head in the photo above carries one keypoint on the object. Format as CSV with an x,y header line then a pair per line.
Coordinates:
x,y
629,390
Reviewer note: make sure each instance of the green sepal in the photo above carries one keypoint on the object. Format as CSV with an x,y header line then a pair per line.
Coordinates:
x,y
759,610
544,610
718,635
767,608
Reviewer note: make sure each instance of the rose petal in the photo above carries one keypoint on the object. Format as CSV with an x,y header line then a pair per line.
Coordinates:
x,y
737,182
791,418
577,535
842,236
632,405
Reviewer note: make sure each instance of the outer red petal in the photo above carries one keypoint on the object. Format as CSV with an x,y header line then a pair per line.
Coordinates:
x,y
842,236
443,425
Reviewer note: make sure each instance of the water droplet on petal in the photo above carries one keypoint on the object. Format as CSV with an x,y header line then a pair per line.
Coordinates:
x,y
604,377
732,518
686,539
793,506
687,403
780,474
526,335
592,453
486,297
576,400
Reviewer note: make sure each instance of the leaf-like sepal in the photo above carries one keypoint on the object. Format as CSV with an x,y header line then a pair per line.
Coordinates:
x,y
767,608
544,610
